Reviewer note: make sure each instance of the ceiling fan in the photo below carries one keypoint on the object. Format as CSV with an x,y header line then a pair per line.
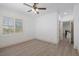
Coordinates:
x,y
35,9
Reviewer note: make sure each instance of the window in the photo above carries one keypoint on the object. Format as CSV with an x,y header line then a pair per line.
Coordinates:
x,y
18,25
11,25
8,25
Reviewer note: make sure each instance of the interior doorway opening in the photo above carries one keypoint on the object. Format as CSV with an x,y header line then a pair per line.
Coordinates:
x,y
66,31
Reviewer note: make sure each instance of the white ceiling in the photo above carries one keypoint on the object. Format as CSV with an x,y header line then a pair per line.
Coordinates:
x,y
51,7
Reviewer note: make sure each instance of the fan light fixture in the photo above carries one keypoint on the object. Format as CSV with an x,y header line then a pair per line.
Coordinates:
x,y
33,10
37,10
34,7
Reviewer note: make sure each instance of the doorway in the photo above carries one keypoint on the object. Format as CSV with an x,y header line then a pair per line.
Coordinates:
x,y
66,31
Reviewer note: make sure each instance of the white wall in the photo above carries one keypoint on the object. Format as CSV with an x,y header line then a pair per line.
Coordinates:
x,y
43,28
28,30
76,26
46,28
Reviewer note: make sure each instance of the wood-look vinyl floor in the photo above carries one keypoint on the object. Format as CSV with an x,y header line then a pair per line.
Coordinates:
x,y
39,48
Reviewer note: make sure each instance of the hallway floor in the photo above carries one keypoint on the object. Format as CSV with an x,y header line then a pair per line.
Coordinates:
x,y
39,48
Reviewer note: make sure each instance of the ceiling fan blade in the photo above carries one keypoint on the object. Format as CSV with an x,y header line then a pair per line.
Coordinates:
x,y
42,8
29,10
28,5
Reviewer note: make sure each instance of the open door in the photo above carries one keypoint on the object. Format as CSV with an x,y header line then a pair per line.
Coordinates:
x,y
72,33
